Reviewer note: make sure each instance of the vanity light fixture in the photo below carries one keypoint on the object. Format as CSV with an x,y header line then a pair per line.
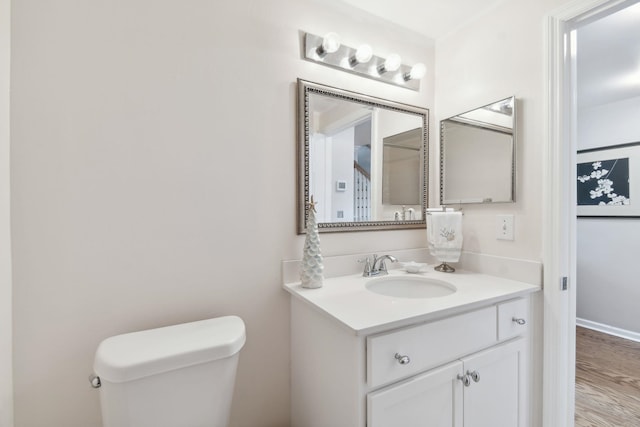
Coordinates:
x,y
328,50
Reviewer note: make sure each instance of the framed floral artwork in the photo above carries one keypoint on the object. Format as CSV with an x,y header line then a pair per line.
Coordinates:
x,y
608,181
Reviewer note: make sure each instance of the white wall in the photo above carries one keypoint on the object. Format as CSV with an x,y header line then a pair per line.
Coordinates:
x,y
6,403
388,123
608,272
319,179
609,124
498,55
342,156
491,58
607,265
467,176
154,182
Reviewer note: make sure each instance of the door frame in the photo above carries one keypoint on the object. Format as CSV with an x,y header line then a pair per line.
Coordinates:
x,y
559,210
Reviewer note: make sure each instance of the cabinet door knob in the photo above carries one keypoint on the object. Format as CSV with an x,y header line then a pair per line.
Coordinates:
x,y
475,376
403,360
465,379
519,321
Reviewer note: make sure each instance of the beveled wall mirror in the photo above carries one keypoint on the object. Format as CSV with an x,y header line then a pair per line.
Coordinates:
x,y
477,155
363,159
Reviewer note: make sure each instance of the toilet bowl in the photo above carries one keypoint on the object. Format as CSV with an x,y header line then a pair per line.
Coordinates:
x,y
181,375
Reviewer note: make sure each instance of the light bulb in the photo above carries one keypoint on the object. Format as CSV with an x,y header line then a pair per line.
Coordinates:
x,y
417,72
330,44
392,63
364,54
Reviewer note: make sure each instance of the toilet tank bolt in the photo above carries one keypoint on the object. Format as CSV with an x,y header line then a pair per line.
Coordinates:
x,y
95,381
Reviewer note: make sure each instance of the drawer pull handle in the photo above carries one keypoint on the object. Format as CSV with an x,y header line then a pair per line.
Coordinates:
x,y
519,321
475,376
403,360
465,379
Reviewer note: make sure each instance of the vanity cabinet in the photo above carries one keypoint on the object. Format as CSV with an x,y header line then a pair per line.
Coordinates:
x,y
465,370
478,391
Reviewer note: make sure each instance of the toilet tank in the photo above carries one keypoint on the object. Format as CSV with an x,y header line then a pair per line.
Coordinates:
x,y
181,375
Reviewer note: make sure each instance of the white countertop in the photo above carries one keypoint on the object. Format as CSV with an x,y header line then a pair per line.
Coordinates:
x,y
346,300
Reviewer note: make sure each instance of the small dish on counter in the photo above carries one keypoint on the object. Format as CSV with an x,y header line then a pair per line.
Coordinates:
x,y
414,267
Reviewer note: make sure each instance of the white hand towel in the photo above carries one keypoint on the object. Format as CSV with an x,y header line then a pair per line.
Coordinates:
x,y
444,235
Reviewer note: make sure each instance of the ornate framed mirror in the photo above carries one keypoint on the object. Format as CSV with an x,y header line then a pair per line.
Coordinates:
x,y
363,159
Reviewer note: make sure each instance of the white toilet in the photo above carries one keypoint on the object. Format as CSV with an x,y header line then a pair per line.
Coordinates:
x,y
177,376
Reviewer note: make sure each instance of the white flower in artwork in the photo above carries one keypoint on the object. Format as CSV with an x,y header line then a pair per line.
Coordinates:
x,y
606,185
599,173
597,192
617,200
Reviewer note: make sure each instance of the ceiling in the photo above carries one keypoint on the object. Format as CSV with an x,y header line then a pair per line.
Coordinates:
x,y
608,56
431,18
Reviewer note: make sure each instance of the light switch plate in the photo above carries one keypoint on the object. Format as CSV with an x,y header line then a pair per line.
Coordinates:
x,y
504,227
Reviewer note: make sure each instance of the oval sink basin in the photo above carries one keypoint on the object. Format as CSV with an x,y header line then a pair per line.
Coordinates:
x,y
410,287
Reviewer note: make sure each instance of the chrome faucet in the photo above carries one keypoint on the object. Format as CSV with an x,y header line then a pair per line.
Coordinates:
x,y
377,267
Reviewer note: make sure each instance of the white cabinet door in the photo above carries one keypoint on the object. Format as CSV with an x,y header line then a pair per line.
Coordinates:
x,y
496,393
433,399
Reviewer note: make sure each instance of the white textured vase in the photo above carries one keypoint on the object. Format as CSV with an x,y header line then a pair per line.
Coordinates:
x,y
312,267
311,275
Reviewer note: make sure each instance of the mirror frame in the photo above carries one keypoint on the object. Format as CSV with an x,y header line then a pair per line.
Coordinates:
x,y
514,145
305,89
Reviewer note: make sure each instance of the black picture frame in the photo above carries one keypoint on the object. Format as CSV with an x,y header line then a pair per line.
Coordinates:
x,y
608,181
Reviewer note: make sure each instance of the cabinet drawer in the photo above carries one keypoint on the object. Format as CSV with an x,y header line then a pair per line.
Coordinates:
x,y
428,345
513,318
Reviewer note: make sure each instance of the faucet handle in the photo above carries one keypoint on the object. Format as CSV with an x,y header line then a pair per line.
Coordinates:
x,y
381,266
367,266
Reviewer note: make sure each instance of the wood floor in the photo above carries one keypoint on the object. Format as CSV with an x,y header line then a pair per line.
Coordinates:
x,y
607,380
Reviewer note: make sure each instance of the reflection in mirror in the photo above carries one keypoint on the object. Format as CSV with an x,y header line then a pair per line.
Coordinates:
x,y
477,155
400,166
363,159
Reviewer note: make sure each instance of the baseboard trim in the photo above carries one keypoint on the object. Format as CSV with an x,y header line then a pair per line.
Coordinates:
x,y
606,329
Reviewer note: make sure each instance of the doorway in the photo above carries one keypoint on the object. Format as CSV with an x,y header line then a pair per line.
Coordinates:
x,y
559,213
608,222
608,139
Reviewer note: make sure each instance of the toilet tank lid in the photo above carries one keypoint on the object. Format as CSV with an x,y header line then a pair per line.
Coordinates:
x,y
140,354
